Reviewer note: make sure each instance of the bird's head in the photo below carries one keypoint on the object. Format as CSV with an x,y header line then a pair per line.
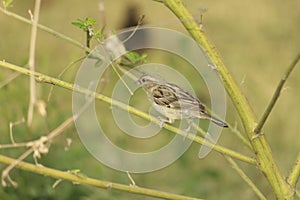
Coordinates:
x,y
149,79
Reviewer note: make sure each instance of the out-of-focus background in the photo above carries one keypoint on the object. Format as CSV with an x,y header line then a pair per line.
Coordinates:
x,y
257,40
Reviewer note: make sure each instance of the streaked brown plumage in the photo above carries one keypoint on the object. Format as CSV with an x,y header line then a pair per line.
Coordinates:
x,y
174,102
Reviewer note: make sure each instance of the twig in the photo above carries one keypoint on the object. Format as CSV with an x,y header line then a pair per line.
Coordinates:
x,y
203,133
69,86
245,178
276,95
39,146
135,29
61,73
31,62
92,182
235,130
121,43
10,78
121,78
14,145
11,125
295,172
236,168
5,172
45,28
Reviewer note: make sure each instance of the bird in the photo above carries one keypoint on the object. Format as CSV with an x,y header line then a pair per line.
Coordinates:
x,y
174,102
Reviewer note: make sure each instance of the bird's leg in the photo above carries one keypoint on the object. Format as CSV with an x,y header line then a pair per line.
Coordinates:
x,y
187,130
190,123
164,120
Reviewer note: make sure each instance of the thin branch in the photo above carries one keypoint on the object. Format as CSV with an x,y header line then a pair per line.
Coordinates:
x,y
245,178
39,146
76,178
295,172
14,145
45,28
236,168
5,172
203,133
203,141
140,21
35,147
276,95
10,78
11,125
235,130
31,62
62,73
238,134
121,78
47,79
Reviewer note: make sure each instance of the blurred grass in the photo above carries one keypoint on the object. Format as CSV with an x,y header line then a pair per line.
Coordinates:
x,y
257,40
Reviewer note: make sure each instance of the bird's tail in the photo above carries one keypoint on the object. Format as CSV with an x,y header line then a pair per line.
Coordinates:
x,y
216,121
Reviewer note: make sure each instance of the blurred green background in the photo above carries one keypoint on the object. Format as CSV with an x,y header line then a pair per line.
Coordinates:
x,y
257,40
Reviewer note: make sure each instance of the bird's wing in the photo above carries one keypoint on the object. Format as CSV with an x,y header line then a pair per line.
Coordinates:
x,y
164,96
172,96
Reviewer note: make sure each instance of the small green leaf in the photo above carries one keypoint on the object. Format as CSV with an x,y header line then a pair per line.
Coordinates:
x,y
144,58
99,34
80,24
89,22
7,3
135,57
85,24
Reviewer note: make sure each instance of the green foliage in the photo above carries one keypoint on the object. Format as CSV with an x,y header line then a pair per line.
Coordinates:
x,y
7,3
135,57
99,34
87,26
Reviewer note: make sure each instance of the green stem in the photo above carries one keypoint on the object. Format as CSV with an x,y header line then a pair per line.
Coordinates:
x,y
45,28
276,95
245,140
90,181
266,163
237,169
295,172
47,79
245,178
